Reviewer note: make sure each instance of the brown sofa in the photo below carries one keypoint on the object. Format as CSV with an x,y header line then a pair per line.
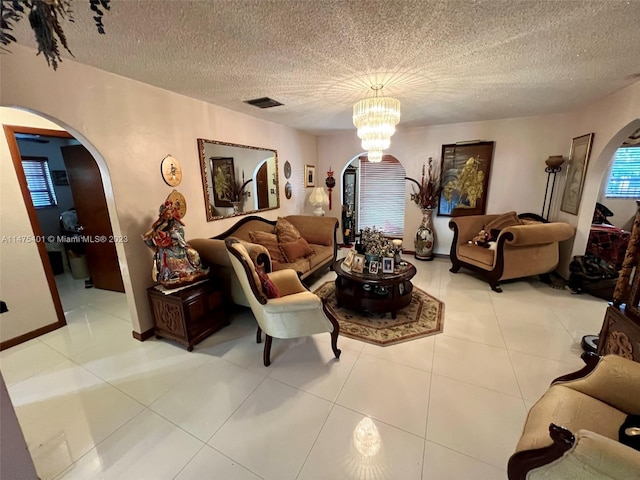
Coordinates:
x,y
572,431
319,232
529,247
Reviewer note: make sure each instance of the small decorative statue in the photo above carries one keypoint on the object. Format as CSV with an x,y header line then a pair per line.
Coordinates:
x,y
175,262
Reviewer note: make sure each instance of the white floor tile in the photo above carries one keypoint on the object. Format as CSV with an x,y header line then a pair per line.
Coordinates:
x,y
273,430
23,361
475,421
65,411
441,463
203,401
415,353
477,327
146,448
209,463
311,366
378,388
545,342
339,452
474,363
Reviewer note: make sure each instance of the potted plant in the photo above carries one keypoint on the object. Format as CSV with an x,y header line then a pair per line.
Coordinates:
x,y
236,193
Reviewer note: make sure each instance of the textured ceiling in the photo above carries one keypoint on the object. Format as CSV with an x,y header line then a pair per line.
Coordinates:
x,y
446,61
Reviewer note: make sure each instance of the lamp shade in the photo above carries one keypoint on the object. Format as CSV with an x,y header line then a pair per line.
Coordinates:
x,y
318,198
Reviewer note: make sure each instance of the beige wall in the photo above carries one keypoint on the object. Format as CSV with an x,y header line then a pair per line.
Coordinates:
x,y
130,127
517,174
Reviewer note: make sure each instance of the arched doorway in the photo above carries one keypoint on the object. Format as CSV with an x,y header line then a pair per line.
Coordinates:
x,y
30,124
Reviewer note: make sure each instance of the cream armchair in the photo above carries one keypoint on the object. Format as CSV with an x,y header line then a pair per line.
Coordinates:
x,y
571,433
295,313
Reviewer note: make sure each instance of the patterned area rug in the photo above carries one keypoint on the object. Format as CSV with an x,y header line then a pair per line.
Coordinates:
x,y
424,316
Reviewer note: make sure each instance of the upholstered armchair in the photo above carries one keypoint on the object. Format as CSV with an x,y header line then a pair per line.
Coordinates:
x,y
571,433
292,312
525,245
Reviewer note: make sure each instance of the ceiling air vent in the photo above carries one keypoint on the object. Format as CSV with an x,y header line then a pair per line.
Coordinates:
x,y
264,102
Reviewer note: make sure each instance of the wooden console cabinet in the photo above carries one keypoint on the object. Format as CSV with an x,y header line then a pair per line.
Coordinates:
x,y
620,334
190,315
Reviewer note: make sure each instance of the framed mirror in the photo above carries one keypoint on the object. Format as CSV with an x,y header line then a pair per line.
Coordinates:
x,y
237,179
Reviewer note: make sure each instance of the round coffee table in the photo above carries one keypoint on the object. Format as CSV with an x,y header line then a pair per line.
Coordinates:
x,y
376,293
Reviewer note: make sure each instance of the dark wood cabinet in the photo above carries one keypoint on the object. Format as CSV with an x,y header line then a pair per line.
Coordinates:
x,y
620,334
190,315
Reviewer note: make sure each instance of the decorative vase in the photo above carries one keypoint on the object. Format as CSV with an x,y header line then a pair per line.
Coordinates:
x,y
236,207
425,236
370,258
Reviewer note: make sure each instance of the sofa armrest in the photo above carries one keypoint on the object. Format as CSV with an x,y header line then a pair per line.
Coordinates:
x,y
296,302
287,282
614,381
592,457
537,233
469,226
212,252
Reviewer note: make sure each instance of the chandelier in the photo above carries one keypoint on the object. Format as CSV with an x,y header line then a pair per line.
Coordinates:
x,y
376,119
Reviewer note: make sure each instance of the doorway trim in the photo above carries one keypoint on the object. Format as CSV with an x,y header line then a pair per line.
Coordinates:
x,y
16,158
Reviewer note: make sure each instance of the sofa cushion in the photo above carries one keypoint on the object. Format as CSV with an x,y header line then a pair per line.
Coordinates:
x,y
476,255
295,250
270,242
503,221
301,265
285,231
323,254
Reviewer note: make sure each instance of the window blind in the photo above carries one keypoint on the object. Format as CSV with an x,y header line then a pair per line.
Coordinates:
x,y
382,195
624,180
36,170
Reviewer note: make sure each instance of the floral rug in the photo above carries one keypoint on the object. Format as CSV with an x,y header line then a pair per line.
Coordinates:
x,y
424,316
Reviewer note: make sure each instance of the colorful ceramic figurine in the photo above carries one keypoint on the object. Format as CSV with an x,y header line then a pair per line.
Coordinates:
x,y
175,262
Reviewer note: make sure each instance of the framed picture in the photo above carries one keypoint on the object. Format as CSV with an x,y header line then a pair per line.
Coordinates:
x,y
466,168
373,267
59,177
576,172
223,177
309,176
358,263
387,265
348,260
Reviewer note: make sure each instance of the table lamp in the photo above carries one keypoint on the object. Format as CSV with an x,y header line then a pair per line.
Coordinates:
x,y
318,198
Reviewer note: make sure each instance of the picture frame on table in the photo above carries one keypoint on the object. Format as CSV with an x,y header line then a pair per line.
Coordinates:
x,y
309,176
576,173
358,263
348,260
387,265
373,268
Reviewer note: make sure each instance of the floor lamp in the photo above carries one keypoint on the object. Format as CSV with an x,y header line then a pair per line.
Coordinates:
x,y
554,165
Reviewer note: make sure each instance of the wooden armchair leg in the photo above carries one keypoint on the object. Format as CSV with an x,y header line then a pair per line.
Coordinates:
x,y
259,335
267,350
336,330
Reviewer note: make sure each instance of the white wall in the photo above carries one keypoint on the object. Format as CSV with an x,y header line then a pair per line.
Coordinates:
x,y
517,172
130,127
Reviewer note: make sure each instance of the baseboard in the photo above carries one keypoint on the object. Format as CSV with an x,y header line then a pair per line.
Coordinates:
x,y
30,335
143,336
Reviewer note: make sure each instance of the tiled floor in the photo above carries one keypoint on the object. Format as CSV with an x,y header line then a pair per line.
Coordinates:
x,y
95,403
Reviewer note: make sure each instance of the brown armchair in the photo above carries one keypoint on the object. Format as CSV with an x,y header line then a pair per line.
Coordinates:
x,y
528,246
571,433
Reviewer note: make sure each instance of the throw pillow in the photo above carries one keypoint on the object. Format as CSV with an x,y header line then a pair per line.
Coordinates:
x,y
295,250
268,287
503,221
286,232
270,242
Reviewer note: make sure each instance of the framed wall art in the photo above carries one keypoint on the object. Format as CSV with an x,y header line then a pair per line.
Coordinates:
x,y
223,177
576,173
59,177
309,176
465,172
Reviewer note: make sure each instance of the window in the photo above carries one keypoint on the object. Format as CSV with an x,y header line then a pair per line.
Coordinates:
x,y
382,195
624,180
36,169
